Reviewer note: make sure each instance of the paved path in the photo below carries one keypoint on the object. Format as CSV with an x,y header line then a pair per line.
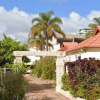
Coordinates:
x,y
41,89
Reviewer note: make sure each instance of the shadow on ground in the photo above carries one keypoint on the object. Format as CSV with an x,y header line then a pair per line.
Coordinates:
x,y
38,87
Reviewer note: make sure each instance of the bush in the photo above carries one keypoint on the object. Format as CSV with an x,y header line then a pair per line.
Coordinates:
x,y
65,82
83,79
13,86
94,93
45,68
21,68
38,69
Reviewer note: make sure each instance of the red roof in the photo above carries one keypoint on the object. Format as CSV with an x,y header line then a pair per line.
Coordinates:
x,y
67,45
93,41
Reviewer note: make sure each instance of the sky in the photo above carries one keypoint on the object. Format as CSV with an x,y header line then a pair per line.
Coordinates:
x,y
16,15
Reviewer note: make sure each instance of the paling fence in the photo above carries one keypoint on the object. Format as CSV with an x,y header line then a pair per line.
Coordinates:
x,y
2,76
3,73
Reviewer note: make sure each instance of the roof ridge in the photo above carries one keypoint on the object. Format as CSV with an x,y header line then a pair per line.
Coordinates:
x,y
93,40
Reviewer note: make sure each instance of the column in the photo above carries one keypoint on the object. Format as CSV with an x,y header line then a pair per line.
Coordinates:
x,y
60,63
18,60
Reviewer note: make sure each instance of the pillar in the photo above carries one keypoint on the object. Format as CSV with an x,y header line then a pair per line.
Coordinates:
x,y
60,63
18,60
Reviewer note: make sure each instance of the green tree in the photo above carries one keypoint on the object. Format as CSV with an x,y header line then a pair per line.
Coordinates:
x,y
7,46
93,27
46,24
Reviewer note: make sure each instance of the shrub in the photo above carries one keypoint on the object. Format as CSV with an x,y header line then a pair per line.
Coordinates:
x,y
80,90
13,86
45,68
83,78
94,93
21,68
65,82
38,69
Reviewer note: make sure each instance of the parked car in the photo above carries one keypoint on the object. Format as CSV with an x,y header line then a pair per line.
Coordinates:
x,y
28,71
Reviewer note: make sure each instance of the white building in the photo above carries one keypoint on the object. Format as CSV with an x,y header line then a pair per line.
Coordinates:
x,y
84,31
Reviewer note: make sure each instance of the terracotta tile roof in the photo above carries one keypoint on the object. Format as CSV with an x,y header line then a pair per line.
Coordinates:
x,y
67,45
93,41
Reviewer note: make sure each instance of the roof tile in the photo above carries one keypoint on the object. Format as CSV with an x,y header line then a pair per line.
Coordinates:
x,y
67,45
93,41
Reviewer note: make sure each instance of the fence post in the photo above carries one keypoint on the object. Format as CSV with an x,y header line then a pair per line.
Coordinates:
x,y
17,97
17,69
1,79
4,72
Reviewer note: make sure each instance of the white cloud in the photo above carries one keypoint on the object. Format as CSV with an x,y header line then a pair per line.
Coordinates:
x,y
75,22
17,23
93,14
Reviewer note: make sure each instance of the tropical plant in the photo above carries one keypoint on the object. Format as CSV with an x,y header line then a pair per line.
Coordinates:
x,y
47,25
93,27
38,42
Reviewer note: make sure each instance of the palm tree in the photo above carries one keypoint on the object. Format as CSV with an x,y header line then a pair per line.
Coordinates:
x,y
48,25
38,42
93,27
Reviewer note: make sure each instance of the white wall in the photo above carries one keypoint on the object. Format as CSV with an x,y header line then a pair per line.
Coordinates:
x,y
53,41
33,58
83,55
56,47
91,54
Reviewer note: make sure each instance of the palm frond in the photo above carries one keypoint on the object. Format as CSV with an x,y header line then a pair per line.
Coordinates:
x,y
57,28
50,12
55,20
31,44
50,45
54,34
29,35
31,38
92,25
45,17
49,30
97,20
35,19
35,31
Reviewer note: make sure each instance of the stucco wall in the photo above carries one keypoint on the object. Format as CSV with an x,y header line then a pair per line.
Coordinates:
x,y
83,55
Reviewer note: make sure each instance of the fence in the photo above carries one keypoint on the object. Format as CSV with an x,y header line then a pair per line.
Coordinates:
x,y
3,72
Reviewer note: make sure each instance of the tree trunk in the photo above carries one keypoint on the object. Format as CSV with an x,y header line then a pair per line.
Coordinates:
x,y
46,42
41,47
